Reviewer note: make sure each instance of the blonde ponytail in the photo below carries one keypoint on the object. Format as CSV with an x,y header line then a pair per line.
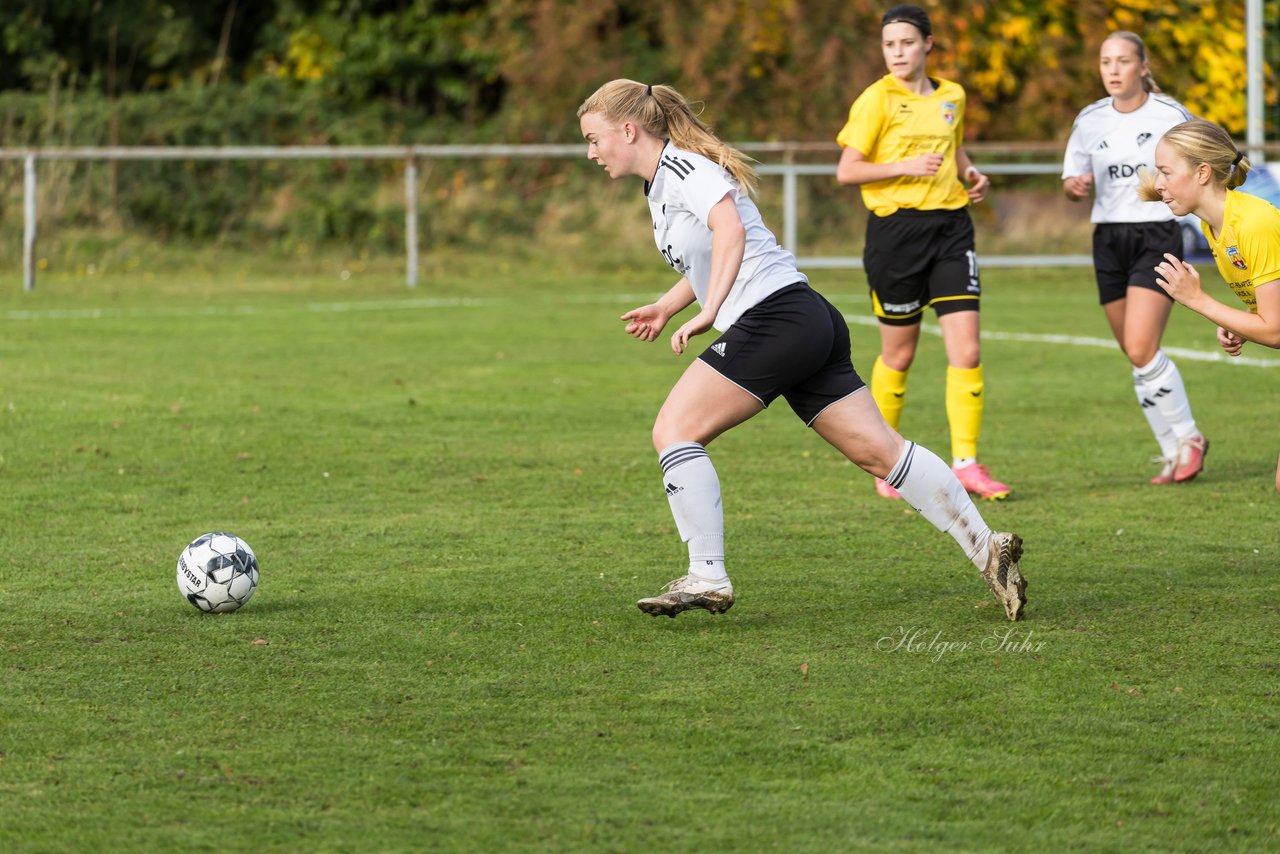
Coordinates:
x,y
664,112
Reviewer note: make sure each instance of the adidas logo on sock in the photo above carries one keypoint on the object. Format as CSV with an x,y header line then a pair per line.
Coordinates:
x,y
672,489
718,347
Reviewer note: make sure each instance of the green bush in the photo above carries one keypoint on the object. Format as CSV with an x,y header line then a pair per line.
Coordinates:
x,y
352,202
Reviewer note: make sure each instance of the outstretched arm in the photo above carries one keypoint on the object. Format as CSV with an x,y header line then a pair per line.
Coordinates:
x,y
646,322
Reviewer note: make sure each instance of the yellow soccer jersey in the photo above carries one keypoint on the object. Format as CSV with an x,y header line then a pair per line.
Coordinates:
x,y
888,123
1248,250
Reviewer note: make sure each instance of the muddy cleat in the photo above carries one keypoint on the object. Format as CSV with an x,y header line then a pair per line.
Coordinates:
x,y
690,592
1191,454
1167,465
884,490
975,478
1003,575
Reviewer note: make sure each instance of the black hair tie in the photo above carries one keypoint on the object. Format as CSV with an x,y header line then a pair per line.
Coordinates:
x,y
648,90
1239,157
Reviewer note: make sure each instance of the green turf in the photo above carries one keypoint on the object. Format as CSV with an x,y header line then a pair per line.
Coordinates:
x,y
455,505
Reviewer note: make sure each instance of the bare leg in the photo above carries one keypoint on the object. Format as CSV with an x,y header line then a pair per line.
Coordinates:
x,y
961,339
898,345
701,406
1138,322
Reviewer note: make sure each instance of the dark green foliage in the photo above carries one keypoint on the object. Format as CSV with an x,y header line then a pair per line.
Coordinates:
x,y
335,72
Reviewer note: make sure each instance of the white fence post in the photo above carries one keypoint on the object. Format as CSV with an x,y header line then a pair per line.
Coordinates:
x,y
411,219
789,239
29,223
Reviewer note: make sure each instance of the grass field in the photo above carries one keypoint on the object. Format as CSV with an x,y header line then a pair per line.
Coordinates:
x,y
455,505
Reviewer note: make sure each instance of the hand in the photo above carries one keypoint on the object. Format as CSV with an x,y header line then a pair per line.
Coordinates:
x,y
645,323
700,323
1179,279
978,184
924,166
1077,187
1230,342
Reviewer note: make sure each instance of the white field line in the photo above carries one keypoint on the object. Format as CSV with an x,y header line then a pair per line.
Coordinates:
x,y
240,310
1087,341
637,299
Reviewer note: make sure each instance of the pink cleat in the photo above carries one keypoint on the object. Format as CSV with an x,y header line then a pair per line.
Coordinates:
x,y
976,479
884,490
1167,465
1191,454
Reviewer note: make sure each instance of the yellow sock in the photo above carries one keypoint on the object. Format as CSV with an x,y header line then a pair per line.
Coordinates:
x,y
889,390
964,410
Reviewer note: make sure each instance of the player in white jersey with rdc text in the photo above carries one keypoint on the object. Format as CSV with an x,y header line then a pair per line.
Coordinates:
x,y
1111,141
779,338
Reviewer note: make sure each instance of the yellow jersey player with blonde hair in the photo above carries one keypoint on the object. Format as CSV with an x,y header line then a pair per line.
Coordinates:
x,y
903,144
1198,169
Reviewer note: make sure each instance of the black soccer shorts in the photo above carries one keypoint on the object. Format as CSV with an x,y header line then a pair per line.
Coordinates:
x,y
1125,254
918,259
793,344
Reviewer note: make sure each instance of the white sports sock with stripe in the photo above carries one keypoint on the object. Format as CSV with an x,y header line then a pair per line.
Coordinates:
x,y
929,485
1160,428
693,491
1162,386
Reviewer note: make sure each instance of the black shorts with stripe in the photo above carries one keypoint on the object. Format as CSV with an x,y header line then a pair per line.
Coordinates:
x,y
917,259
793,344
1125,254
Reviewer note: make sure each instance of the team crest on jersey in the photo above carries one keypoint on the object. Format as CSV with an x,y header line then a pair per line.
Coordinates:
x,y
1143,137
1236,259
949,112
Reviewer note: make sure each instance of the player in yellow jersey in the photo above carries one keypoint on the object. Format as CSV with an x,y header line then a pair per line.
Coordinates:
x,y
1197,170
903,145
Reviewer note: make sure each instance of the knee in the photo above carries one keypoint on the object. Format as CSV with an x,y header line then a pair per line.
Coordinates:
x,y
1140,353
898,357
667,431
964,354
659,438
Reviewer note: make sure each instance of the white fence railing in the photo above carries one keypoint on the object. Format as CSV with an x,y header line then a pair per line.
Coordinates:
x,y
410,155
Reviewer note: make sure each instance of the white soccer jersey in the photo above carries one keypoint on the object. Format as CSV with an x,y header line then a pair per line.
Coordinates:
x,y
1113,145
681,196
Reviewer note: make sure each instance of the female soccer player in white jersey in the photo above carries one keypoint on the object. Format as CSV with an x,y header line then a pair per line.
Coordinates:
x,y
1197,170
777,338
903,144
1111,141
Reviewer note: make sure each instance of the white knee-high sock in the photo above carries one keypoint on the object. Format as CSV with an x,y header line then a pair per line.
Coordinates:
x,y
1160,428
929,485
693,491
1163,387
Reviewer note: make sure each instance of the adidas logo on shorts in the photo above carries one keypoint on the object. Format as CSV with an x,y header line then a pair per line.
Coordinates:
x,y
718,347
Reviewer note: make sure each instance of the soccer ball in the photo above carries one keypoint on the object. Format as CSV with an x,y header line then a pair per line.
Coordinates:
x,y
217,572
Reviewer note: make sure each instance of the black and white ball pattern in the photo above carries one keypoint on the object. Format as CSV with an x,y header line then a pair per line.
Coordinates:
x,y
217,572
